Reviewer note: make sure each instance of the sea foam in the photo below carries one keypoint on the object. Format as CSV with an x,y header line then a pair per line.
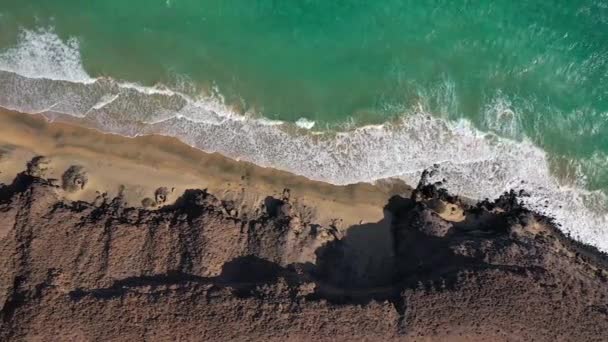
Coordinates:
x,y
305,123
42,54
44,74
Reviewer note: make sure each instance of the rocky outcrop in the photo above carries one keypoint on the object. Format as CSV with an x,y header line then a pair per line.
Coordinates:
x,y
433,268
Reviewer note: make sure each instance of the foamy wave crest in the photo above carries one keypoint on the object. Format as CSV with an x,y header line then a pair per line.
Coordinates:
x,y
476,164
500,117
305,123
42,54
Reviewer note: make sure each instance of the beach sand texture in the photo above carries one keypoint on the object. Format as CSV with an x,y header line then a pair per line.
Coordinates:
x,y
139,166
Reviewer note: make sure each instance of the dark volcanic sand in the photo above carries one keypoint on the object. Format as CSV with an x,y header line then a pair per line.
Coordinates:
x,y
199,270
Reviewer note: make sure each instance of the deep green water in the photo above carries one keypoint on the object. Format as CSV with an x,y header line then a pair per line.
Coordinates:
x,y
329,60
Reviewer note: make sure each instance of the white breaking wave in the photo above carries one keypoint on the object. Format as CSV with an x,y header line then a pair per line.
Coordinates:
x,y
476,164
305,123
42,54
500,117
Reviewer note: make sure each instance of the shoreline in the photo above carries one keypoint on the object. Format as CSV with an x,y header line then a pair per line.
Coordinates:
x,y
485,168
142,164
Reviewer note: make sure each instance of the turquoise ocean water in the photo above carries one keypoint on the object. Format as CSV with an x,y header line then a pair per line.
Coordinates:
x,y
497,94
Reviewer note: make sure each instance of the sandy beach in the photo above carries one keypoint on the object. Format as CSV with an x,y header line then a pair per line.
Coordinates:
x,y
143,164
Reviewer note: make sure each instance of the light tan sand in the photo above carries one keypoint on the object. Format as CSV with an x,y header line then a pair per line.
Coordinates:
x,y
143,164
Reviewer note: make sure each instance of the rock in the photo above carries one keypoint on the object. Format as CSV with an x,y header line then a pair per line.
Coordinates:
x,y
286,195
148,203
37,167
74,179
285,210
54,182
77,271
161,195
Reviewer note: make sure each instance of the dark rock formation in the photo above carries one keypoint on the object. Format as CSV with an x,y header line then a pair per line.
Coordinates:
x,y
37,167
161,195
148,202
197,271
75,178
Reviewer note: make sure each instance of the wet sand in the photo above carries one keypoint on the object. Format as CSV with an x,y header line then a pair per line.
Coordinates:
x,y
142,164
